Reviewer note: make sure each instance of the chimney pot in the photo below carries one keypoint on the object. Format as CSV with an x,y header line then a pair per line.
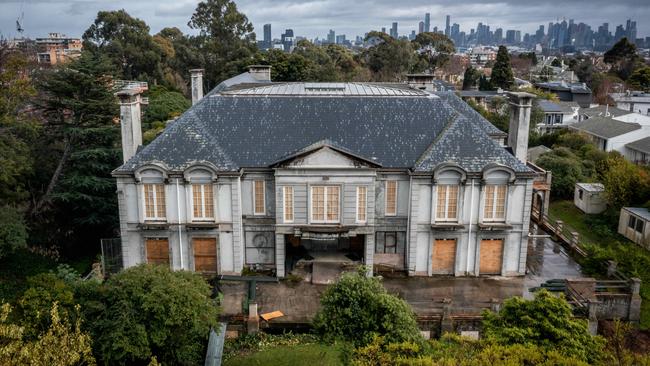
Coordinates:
x,y
260,72
197,85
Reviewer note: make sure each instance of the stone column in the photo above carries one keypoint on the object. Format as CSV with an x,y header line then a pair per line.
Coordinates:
x,y
520,107
197,85
130,125
634,312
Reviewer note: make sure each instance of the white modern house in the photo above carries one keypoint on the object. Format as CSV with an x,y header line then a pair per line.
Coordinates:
x,y
557,115
633,101
266,174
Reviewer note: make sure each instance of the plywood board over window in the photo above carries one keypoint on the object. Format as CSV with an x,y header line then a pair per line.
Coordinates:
x,y
491,258
259,188
157,250
205,254
391,198
443,258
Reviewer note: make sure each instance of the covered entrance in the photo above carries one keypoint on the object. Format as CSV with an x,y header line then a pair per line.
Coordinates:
x,y
322,257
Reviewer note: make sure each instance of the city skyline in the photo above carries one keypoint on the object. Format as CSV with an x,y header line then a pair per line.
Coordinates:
x,y
314,19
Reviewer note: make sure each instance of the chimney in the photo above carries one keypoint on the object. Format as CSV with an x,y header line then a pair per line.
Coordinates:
x,y
130,100
260,72
421,81
520,106
197,85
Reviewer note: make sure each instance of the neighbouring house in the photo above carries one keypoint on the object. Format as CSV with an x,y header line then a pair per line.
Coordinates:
x,y
633,224
590,197
58,48
535,152
633,101
483,98
273,175
568,92
614,113
638,151
557,115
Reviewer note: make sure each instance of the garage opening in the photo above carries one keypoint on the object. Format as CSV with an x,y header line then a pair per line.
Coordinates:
x,y
205,254
491,258
157,250
443,258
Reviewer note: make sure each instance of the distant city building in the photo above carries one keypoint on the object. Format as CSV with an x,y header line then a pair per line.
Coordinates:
x,y
340,39
427,22
447,26
287,40
421,27
331,36
57,48
393,30
267,42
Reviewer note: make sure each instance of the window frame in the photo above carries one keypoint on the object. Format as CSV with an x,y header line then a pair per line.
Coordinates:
x,y
155,202
263,212
386,212
493,218
446,217
365,204
203,202
286,194
325,204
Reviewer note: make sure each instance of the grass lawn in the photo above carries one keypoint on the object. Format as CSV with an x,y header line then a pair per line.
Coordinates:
x,y
632,260
308,354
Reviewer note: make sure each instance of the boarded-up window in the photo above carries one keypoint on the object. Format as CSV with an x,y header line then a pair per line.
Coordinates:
x,y
205,254
154,201
390,242
491,256
361,203
391,198
495,201
258,197
443,258
157,250
288,204
447,205
325,201
202,201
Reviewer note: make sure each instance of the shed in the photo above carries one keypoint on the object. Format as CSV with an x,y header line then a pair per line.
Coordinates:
x,y
633,224
590,197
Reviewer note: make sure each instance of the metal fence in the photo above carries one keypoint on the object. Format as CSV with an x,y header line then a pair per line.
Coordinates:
x,y
111,255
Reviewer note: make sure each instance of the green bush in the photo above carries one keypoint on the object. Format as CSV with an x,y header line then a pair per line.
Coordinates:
x,y
13,233
150,310
358,308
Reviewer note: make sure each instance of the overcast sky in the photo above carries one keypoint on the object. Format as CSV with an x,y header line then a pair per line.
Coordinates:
x,y
313,18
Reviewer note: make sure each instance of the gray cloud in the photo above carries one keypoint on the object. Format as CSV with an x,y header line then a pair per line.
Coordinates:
x,y
315,17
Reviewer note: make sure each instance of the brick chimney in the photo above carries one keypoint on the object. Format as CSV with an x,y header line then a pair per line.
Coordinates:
x,y
197,85
131,127
520,106
260,72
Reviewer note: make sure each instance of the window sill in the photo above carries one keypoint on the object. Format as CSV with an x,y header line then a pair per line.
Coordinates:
x,y
494,226
202,224
447,225
154,225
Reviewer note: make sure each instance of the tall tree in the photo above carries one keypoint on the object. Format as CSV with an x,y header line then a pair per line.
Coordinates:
x,y
623,57
640,79
434,49
502,72
470,78
226,38
126,41
389,58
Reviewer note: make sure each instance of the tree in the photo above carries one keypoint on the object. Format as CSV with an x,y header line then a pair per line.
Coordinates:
x,y
81,134
13,232
434,49
546,321
226,38
556,62
150,310
470,78
126,42
566,169
624,182
389,59
357,308
484,83
640,79
163,105
502,72
623,57
63,343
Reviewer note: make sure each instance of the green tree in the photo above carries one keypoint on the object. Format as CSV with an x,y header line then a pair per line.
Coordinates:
x,y
163,105
502,76
126,42
13,232
226,38
484,83
389,59
566,168
623,57
640,79
80,132
357,308
556,62
624,182
434,49
180,54
150,310
546,321
471,78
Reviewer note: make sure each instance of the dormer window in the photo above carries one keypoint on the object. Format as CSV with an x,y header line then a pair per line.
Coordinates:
x,y
154,202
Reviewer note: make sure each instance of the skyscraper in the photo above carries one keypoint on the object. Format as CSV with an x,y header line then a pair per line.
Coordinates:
x,y
420,27
267,36
331,37
427,22
447,26
393,30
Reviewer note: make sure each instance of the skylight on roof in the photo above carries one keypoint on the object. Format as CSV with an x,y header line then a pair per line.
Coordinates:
x,y
325,87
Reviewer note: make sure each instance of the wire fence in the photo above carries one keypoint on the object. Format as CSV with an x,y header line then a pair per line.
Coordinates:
x,y
111,256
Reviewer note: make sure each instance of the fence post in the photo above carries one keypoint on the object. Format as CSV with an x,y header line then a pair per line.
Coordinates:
x,y
611,268
634,312
446,324
559,225
575,240
592,321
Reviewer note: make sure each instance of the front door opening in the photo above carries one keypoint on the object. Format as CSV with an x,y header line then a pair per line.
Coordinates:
x,y
303,254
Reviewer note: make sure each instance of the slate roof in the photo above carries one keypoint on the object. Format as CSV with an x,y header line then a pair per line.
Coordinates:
x,y
642,145
605,127
548,106
242,129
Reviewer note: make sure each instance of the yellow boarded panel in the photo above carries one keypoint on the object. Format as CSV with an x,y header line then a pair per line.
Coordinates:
x,y
272,315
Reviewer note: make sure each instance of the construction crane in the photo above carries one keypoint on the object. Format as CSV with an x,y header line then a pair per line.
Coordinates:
x,y
19,21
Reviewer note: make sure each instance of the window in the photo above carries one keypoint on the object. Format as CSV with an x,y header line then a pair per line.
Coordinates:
x,y
635,224
639,226
580,194
631,222
288,204
390,242
154,202
202,202
361,203
325,204
495,201
258,197
391,198
447,205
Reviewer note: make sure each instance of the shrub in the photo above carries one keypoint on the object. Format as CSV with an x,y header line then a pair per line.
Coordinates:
x,y
13,233
358,308
150,310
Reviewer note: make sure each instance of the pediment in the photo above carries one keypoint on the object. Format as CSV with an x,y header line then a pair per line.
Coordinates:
x,y
326,157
